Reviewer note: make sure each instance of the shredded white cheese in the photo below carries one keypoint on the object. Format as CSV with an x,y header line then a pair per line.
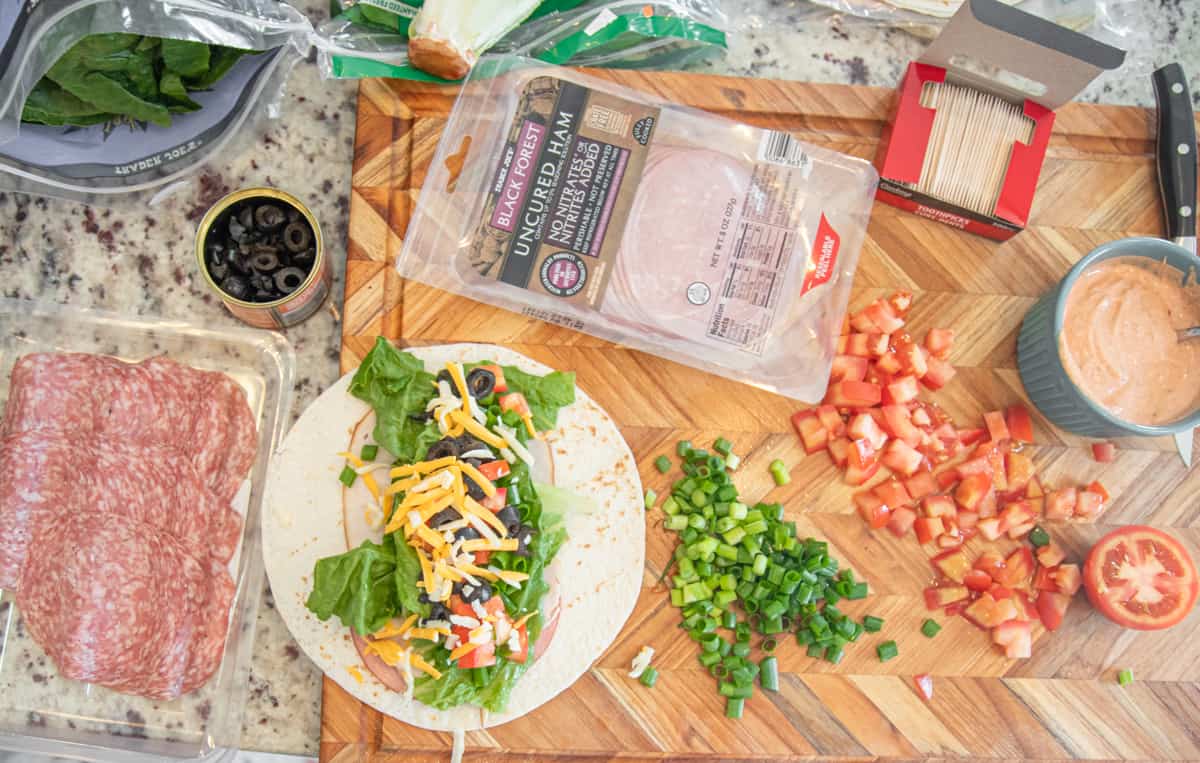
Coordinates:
x,y
414,519
406,669
514,641
464,621
436,624
483,527
482,634
642,661
452,642
479,610
442,479
508,455
503,630
477,453
370,468
510,436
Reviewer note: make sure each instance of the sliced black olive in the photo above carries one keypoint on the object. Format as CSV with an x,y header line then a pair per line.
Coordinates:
x,y
237,231
264,262
480,382
438,611
293,214
467,443
218,271
524,535
236,287
442,448
445,376
467,533
268,217
305,259
262,295
423,597
241,263
288,280
297,237
473,490
246,217
511,518
471,592
444,516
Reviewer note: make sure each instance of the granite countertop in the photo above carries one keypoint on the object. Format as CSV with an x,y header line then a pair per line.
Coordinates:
x,y
139,260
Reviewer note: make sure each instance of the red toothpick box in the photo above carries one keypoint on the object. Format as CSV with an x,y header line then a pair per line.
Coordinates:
x,y
999,50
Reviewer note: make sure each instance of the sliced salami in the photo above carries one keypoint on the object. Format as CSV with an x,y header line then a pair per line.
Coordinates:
x,y
45,474
202,414
124,605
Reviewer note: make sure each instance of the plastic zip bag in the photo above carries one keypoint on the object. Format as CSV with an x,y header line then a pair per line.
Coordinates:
x,y
362,42
716,244
112,159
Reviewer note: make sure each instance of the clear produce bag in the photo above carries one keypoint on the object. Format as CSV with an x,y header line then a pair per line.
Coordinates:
x,y
369,38
208,97
713,243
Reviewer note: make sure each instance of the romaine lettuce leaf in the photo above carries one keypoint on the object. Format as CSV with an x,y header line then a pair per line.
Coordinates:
x,y
396,385
357,586
545,394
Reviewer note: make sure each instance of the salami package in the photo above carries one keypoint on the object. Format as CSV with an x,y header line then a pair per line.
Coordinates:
x,y
106,99
716,244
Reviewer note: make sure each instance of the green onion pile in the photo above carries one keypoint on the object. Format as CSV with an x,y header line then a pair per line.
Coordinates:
x,y
734,561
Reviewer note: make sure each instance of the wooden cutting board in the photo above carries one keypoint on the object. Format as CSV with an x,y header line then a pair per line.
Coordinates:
x,y
1064,703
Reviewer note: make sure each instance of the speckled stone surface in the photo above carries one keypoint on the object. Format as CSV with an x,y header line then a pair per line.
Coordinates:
x,y
139,261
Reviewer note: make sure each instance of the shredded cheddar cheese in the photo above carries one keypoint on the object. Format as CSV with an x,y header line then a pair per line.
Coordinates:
x,y
483,544
391,629
472,506
477,429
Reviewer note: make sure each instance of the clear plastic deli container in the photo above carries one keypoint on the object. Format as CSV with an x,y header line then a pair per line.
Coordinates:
x,y
41,712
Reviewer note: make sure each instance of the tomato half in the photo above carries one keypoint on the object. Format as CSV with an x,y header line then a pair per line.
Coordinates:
x,y
1141,578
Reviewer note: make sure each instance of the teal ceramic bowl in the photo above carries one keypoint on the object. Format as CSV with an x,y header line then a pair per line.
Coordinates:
x,y
1042,371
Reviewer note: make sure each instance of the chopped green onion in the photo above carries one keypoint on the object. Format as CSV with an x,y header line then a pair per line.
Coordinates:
x,y
683,447
670,506
930,628
369,452
887,650
1039,537
733,461
835,654
816,650
722,446
1125,677
857,591
779,472
348,476
663,464
872,624
733,707
651,497
649,677
768,673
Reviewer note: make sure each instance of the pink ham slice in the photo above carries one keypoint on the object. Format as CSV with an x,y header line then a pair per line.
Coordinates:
x,y
47,474
124,605
668,243
200,413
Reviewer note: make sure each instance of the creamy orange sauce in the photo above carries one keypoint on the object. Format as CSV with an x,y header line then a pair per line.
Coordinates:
x,y
1119,345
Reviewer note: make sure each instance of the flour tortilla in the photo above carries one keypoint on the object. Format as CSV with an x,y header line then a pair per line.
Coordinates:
x,y
598,570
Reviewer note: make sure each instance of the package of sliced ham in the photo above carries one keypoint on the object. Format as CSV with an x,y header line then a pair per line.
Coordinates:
x,y
716,244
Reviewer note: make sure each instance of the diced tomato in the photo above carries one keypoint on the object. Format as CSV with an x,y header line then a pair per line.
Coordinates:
x,y
1051,607
1099,490
831,420
501,385
1016,636
902,459
920,416
954,565
898,423
840,347
812,434
884,316
920,484
902,521
1018,568
904,390
997,428
928,528
849,367
977,580
1019,424
1019,470
948,541
924,684
914,359
1042,580
857,475
939,342
522,652
839,450
938,506
893,493
888,363
999,592
853,394
989,528
947,478
999,474
874,510
862,455
1034,488
1088,504
900,302
1140,577
1060,504
494,470
859,344
845,325
938,374
1050,555
862,322
1016,514
1104,452
984,612
975,466
878,344
971,490
514,401
482,557
481,656
1067,578
937,597
864,427
967,520
497,501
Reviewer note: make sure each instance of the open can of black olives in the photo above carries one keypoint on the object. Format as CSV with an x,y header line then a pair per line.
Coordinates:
x,y
261,251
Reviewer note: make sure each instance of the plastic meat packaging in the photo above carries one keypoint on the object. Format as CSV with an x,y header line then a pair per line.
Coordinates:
x,y
214,96
716,244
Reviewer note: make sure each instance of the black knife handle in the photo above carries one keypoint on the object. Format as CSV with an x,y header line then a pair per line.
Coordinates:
x,y
1176,150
